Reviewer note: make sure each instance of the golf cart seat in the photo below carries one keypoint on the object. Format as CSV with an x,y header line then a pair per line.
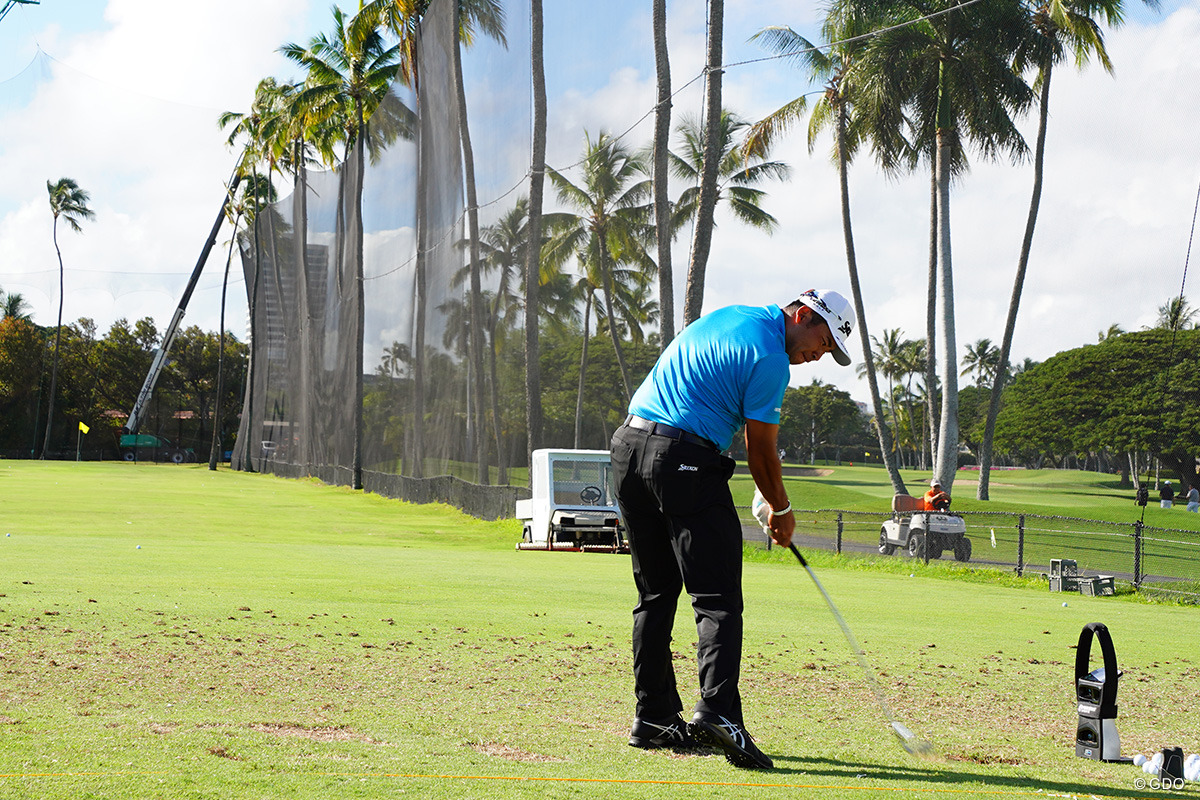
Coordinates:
x,y
906,504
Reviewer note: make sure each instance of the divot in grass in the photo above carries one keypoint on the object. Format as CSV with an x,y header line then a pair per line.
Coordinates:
x,y
511,753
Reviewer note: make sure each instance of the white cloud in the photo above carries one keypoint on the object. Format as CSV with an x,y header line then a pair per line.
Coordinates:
x,y
130,113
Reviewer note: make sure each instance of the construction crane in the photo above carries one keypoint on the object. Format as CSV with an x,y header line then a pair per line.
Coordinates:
x,y
8,4
160,358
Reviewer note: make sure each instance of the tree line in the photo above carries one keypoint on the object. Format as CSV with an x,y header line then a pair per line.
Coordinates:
x,y
98,380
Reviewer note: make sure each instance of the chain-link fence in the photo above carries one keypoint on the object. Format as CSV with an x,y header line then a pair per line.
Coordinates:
x,y
1160,561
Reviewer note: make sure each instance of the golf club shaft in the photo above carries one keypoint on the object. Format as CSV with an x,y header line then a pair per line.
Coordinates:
x,y
897,726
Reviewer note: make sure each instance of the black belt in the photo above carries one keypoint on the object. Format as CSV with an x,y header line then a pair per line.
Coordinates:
x,y
670,431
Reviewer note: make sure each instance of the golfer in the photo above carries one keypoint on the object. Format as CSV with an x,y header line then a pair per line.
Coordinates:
x,y
727,369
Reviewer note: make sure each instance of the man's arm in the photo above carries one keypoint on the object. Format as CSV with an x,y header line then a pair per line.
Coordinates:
x,y
762,454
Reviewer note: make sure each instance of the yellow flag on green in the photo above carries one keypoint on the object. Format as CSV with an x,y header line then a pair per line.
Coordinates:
x,y
84,428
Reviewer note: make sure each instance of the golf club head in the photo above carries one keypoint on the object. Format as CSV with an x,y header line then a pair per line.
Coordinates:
x,y
912,743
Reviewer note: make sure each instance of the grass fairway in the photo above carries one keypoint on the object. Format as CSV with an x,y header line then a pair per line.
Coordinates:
x,y
172,632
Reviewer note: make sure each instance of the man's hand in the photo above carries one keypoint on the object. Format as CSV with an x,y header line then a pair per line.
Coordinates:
x,y
762,456
782,527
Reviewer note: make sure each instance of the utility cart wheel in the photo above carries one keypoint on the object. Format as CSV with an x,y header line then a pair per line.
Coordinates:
x,y
885,547
962,550
933,546
916,546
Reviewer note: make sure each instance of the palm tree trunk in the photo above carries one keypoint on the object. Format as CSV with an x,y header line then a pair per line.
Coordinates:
x,y
931,408
587,319
533,373
885,436
605,261
356,466
248,413
475,340
417,450
501,455
895,420
214,453
702,233
912,424
662,202
946,465
57,337
989,430
303,416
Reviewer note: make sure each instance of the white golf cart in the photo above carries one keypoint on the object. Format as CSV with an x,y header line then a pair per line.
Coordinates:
x,y
921,533
574,504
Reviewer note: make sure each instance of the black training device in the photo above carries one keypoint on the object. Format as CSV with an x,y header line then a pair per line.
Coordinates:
x,y
1096,691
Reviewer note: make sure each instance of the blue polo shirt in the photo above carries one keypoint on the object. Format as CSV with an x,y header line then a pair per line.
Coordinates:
x,y
723,369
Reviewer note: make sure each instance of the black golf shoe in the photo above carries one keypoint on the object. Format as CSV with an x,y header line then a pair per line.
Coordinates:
x,y
731,737
671,732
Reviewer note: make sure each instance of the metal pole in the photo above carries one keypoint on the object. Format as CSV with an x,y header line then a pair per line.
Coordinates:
x,y
1137,554
1021,545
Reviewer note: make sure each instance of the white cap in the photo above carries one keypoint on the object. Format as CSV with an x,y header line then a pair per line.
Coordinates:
x,y
837,313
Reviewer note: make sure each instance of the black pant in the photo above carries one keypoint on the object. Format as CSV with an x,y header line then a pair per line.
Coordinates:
x,y
683,531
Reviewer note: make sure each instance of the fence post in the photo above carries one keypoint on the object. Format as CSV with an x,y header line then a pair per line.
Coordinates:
x,y
839,534
1137,554
1021,546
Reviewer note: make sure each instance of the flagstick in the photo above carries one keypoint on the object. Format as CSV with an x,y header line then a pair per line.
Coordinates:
x,y
78,443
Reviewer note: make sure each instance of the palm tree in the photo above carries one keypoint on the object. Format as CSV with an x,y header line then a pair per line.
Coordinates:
x,y
912,363
537,176
887,357
1176,315
1059,28
983,359
233,213
1112,332
737,171
663,229
610,228
249,193
70,203
837,109
402,18
395,359
257,132
352,68
501,249
952,75
707,201
13,306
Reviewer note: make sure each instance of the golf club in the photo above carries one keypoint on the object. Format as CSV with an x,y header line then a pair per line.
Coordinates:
x,y
910,741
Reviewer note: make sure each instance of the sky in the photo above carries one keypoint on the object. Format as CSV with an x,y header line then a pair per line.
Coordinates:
x,y
125,94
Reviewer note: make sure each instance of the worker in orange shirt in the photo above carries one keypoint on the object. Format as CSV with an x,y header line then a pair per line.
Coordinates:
x,y
936,499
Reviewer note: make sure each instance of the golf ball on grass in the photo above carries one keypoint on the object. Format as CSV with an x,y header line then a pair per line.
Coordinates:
x,y
1139,760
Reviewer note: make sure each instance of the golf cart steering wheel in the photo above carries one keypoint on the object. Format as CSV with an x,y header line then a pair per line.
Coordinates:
x,y
591,495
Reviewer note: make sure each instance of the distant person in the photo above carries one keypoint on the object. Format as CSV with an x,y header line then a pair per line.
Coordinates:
x,y
727,369
936,498
1193,499
1166,495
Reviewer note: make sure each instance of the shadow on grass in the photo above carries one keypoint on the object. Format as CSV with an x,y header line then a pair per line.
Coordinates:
x,y
943,773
